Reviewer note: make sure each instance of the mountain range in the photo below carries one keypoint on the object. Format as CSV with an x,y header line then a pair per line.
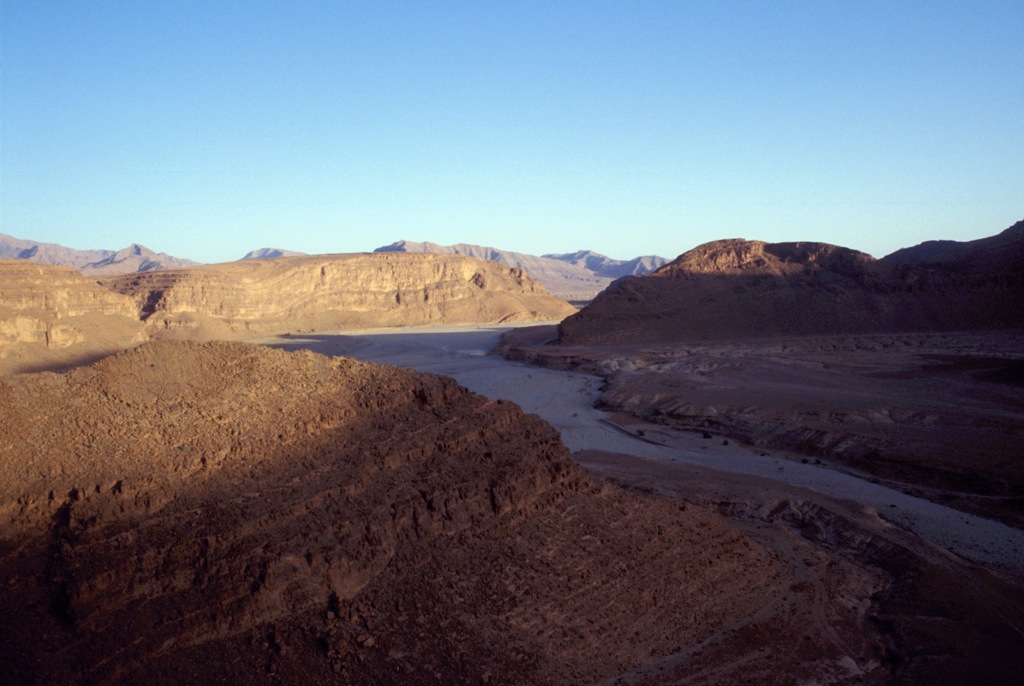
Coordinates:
x,y
134,258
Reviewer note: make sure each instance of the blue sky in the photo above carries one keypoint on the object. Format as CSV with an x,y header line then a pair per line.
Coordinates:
x,y
207,129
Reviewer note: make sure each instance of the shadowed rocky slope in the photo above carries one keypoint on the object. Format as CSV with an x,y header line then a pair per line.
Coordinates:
x,y
191,513
226,513
742,289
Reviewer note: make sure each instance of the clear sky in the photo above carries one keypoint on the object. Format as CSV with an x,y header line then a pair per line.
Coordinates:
x,y
208,129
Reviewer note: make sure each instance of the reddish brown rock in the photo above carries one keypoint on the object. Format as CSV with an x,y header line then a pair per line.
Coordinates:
x,y
734,289
53,318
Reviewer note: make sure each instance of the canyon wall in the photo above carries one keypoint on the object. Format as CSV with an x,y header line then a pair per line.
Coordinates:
x,y
53,317
49,314
335,291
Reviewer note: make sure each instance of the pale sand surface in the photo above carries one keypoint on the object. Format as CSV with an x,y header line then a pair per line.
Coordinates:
x,y
565,400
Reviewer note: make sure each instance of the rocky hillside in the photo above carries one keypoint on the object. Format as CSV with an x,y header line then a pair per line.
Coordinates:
x,y
576,277
327,292
54,314
1002,252
742,289
226,513
134,258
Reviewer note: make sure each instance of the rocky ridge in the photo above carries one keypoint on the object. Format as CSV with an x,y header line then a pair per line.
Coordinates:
x,y
602,265
270,254
324,292
741,289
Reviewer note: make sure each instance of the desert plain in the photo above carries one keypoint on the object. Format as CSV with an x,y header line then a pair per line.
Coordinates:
x,y
759,464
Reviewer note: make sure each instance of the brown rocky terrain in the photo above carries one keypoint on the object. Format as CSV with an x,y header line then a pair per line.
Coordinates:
x,y
907,369
938,415
51,317
748,289
226,513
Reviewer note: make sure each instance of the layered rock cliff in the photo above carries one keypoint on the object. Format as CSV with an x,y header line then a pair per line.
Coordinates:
x,y
52,317
577,277
742,289
335,291
49,313
226,513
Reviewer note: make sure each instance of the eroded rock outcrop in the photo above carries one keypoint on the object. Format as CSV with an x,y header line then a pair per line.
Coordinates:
x,y
335,291
52,314
52,317
742,289
226,513
576,277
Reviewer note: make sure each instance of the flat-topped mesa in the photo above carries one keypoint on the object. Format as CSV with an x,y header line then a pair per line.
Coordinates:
x,y
322,292
746,289
61,313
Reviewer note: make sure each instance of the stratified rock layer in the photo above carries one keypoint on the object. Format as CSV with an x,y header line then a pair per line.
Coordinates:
x,y
742,289
52,317
224,513
576,277
53,313
335,291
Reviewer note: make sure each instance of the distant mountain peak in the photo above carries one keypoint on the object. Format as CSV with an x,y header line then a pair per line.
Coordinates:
x,y
133,250
134,258
270,254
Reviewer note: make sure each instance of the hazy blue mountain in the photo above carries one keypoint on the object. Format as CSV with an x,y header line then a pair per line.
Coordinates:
x,y
270,253
134,258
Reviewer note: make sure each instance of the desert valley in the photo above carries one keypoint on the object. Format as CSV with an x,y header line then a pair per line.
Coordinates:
x,y
756,463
